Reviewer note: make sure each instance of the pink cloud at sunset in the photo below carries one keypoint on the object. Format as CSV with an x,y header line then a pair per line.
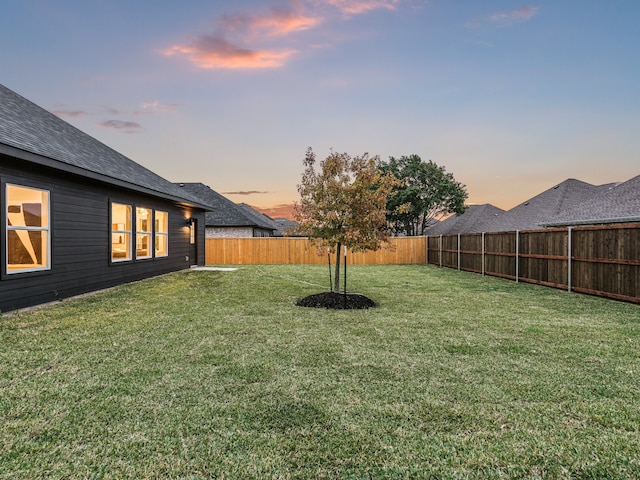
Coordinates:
x,y
155,107
62,113
245,192
357,7
283,210
130,128
213,52
216,50
278,21
239,38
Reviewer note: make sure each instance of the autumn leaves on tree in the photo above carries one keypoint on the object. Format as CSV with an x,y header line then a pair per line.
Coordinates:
x,y
344,204
358,202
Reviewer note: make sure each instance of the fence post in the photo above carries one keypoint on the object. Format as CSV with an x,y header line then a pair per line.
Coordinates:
x,y
458,252
440,250
517,256
483,254
569,256
426,247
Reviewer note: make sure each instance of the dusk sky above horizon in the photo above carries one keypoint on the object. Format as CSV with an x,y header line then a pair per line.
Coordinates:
x,y
510,97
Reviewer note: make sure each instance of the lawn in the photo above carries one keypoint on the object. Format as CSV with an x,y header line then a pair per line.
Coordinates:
x,y
219,375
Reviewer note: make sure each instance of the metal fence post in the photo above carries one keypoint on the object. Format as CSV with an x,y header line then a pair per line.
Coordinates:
x,y
458,252
517,256
483,254
569,257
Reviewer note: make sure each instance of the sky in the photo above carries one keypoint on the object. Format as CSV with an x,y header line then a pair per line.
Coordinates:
x,y
510,97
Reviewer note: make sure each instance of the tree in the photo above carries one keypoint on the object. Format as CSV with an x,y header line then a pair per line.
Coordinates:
x,y
428,191
344,204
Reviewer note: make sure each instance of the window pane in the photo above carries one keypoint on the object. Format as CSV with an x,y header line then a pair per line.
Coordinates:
x,y
121,217
143,220
27,207
161,222
143,245
161,246
120,246
27,250
27,229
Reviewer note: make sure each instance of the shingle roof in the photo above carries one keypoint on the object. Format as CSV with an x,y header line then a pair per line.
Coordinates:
x,y
285,227
617,203
263,220
223,212
473,220
533,213
31,133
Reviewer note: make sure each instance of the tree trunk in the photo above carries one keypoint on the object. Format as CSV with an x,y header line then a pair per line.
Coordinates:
x,y
336,277
423,224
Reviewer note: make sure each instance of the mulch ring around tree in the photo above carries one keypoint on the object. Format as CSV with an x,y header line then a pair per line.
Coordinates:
x,y
336,301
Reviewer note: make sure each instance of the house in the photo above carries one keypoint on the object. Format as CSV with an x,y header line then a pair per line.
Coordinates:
x,y
265,220
473,220
227,219
77,216
535,212
618,203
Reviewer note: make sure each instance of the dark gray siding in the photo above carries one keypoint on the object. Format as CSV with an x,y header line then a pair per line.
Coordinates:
x,y
80,237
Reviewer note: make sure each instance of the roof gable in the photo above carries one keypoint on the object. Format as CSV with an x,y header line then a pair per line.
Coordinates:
x,y
34,134
473,220
264,221
223,212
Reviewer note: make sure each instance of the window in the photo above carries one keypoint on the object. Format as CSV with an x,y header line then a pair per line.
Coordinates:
x,y
120,232
28,236
143,232
161,234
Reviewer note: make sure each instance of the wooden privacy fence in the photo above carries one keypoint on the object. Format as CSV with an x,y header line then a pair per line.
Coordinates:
x,y
597,260
300,251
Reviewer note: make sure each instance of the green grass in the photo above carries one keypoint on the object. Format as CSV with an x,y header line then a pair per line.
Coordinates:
x,y
218,375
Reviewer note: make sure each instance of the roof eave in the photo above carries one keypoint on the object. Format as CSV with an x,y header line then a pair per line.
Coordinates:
x,y
67,168
238,226
599,221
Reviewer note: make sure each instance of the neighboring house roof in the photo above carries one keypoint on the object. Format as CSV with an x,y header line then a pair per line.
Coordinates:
x,y
264,221
286,226
535,212
31,133
223,212
618,203
473,220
